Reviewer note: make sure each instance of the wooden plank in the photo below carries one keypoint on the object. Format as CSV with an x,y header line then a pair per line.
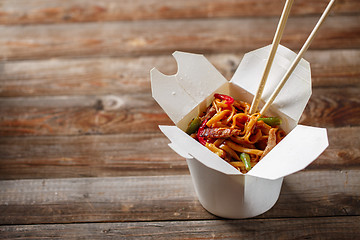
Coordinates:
x,y
288,228
75,115
161,36
343,151
129,155
328,107
131,75
88,156
58,11
139,113
334,68
305,194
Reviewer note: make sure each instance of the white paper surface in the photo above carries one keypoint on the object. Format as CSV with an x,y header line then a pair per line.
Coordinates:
x,y
173,99
179,150
233,196
295,152
293,98
195,80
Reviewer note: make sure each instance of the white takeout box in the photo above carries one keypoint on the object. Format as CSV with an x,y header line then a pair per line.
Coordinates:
x,y
222,189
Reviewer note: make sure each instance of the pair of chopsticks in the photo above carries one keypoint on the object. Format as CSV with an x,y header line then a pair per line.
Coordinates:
x,y
275,44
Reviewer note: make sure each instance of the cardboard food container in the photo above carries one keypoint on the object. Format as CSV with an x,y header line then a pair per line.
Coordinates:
x,y
221,188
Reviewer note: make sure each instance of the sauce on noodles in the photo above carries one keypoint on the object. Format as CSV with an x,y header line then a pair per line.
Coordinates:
x,y
228,130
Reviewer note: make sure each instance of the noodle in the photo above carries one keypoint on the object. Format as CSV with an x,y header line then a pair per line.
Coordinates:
x,y
228,130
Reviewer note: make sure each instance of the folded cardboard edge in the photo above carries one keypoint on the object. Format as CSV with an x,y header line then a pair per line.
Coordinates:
x,y
286,157
190,146
296,151
182,92
180,151
168,95
293,98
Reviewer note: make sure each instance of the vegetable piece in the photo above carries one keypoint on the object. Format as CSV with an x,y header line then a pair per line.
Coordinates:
x,y
200,132
272,121
193,126
245,158
228,100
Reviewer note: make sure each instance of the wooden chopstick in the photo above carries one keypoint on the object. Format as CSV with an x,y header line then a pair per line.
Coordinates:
x,y
274,47
298,58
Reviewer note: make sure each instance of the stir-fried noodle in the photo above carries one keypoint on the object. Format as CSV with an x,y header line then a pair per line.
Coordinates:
x,y
228,130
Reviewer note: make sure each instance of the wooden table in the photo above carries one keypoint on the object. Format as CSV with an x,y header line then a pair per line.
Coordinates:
x,y
81,155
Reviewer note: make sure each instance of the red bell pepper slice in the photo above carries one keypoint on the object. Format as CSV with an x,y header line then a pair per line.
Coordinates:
x,y
199,133
228,100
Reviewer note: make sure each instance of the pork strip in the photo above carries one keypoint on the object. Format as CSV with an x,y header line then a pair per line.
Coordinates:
x,y
271,142
220,132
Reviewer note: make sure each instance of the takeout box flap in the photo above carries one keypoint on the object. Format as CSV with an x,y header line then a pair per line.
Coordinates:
x,y
295,152
194,81
296,92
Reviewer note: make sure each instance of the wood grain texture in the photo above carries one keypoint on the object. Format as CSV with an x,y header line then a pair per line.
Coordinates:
x,y
304,194
333,107
60,11
131,74
132,155
88,156
139,113
160,36
343,151
285,228
74,115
